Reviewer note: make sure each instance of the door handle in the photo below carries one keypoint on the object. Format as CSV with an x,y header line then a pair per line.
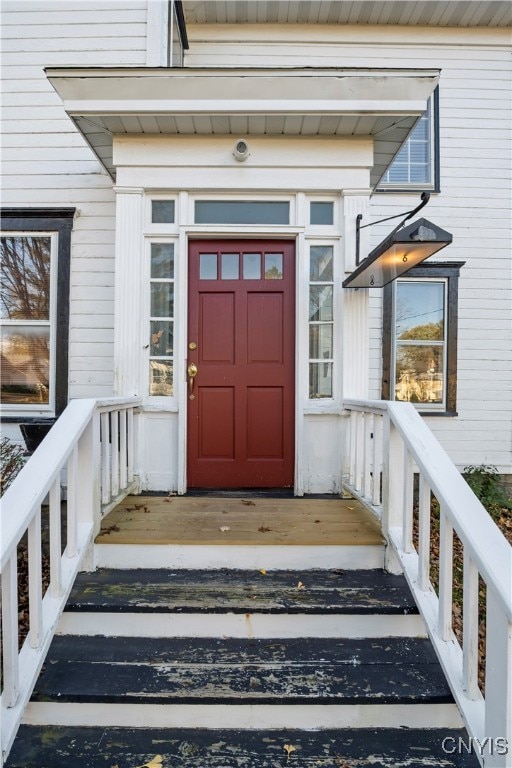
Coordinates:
x,y
192,373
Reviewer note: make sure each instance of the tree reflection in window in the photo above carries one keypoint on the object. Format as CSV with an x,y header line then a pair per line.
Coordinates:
x,y
420,342
25,313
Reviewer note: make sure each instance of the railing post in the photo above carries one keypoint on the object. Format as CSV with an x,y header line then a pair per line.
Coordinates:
x,y
11,668
498,684
392,487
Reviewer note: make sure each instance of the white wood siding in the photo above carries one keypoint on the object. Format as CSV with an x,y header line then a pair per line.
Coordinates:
x,y
475,199
46,162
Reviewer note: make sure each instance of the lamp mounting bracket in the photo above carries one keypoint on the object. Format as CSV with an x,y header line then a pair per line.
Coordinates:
x,y
425,197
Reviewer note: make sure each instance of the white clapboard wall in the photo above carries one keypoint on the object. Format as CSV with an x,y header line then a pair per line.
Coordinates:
x,y
46,162
475,199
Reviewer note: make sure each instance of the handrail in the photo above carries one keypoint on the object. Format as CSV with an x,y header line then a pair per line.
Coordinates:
x,y
388,443
92,445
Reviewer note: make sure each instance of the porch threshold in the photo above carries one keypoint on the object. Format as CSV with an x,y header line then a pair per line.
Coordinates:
x,y
249,520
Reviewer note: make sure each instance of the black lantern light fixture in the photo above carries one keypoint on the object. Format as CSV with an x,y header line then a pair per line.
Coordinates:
x,y
401,250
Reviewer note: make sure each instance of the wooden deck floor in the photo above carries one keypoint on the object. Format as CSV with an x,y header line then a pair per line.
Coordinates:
x,y
203,520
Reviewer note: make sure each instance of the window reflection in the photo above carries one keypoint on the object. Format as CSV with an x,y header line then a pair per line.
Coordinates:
x,y
252,266
273,266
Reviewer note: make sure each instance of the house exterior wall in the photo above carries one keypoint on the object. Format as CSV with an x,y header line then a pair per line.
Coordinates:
x,y
474,203
47,162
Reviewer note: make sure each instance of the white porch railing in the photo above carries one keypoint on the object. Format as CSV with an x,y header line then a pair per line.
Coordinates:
x,y
387,443
92,444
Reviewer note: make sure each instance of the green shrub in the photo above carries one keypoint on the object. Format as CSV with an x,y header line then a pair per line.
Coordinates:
x,y
486,484
11,461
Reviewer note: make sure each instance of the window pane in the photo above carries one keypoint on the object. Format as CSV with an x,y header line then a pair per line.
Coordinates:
x,y
162,260
160,378
320,302
25,292
412,164
320,341
241,212
273,266
252,266
25,365
320,380
162,211
320,263
161,338
419,313
419,373
321,213
208,266
162,300
230,267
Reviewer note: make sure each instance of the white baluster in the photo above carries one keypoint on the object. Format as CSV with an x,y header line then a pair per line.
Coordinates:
x,y
55,517
424,535
123,458
105,458
408,501
35,587
377,459
445,577
72,503
470,628
114,441
131,441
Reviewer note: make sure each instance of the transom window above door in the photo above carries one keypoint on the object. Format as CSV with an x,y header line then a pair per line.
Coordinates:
x,y
247,265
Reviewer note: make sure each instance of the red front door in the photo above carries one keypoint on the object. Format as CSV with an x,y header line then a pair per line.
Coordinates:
x,y
241,332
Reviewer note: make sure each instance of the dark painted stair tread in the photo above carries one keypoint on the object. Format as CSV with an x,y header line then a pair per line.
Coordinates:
x,y
238,591
242,671
62,747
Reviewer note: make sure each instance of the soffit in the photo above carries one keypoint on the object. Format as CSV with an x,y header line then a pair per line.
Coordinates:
x,y
437,13
384,104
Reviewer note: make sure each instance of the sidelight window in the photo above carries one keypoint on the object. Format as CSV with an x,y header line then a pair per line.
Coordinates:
x,y
321,321
161,330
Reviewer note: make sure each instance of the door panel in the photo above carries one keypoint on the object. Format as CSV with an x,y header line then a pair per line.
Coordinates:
x,y
242,321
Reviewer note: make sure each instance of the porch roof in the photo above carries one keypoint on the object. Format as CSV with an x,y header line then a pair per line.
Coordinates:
x,y
382,103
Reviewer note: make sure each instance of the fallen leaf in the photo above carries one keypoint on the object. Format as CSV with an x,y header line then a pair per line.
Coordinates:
x,y
263,572
289,748
263,529
156,762
300,585
224,528
248,503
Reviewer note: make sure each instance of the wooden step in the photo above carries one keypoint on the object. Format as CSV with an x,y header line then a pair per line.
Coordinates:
x,y
312,671
241,592
58,747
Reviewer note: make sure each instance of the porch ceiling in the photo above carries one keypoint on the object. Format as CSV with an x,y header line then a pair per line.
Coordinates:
x,y
383,103
470,13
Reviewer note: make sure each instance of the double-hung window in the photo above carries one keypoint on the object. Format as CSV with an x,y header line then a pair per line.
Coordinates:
x,y
34,311
416,166
420,338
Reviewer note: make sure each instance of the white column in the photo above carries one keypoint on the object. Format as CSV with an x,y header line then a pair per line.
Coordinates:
x,y
128,341
355,303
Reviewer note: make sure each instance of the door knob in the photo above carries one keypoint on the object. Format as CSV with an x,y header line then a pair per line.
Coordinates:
x,y
192,373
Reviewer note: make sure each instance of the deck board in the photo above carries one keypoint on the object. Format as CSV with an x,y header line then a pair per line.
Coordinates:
x,y
250,521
